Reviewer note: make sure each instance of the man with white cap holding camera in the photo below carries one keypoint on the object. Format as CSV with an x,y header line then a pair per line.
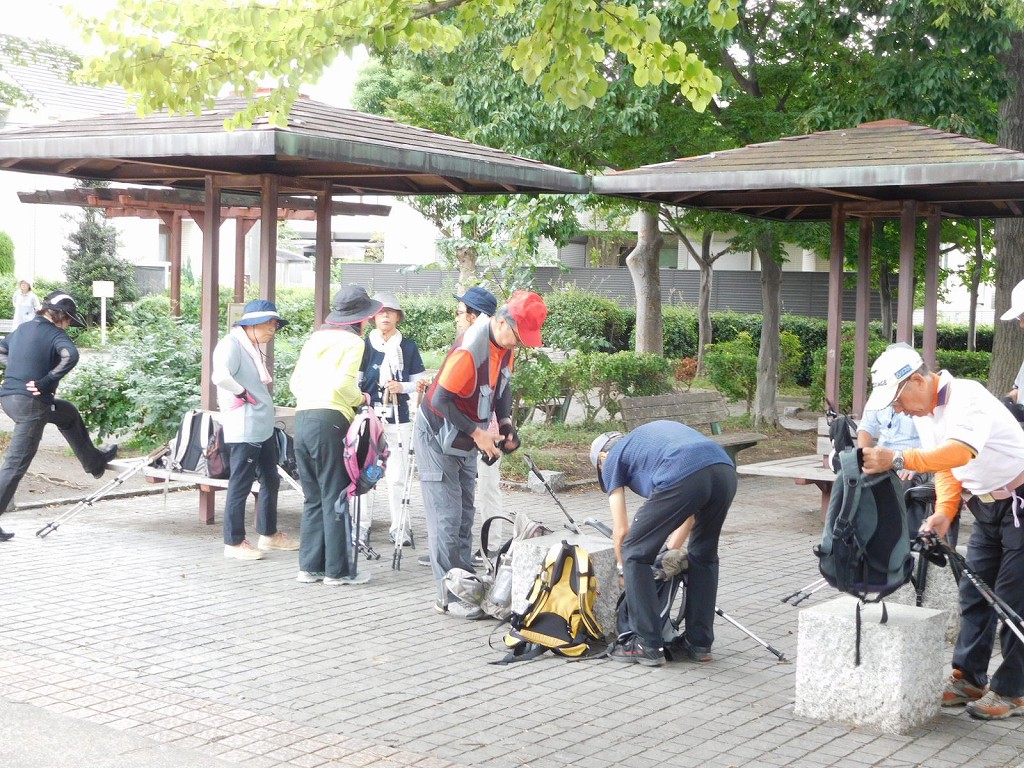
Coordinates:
x,y
976,449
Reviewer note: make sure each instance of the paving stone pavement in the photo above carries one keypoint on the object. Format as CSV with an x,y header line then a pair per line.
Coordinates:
x,y
127,639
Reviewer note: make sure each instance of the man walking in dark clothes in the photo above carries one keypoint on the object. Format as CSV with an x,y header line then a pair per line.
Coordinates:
x,y
36,356
680,473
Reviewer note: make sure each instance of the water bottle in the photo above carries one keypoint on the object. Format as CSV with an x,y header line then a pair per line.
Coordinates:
x,y
501,591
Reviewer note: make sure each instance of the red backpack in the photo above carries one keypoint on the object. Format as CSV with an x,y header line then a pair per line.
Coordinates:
x,y
366,451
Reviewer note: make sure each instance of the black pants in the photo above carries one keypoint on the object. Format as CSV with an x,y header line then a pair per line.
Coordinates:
x,y
30,416
707,493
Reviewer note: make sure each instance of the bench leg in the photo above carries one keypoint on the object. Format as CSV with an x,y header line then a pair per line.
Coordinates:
x,y
825,486
207,508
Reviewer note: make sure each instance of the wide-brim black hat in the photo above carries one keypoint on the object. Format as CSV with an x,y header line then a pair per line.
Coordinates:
x,y
352,304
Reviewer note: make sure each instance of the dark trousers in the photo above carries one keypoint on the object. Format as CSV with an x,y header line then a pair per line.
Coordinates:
x,y
30,416
325,543
995,553
249,462
707,493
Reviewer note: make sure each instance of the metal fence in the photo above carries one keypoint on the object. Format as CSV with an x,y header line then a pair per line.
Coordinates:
x,y
803,293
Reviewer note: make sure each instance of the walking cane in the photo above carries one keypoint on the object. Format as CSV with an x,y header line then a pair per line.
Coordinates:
x,y
572,526
806,592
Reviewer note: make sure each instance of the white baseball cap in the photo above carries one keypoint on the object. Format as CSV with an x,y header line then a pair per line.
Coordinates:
x,y
891,368
1016,303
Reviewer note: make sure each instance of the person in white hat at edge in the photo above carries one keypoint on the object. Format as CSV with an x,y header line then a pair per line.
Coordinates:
x,y
975,447
1016,313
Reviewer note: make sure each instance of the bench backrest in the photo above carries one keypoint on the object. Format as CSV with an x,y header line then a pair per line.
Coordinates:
x,y
695,409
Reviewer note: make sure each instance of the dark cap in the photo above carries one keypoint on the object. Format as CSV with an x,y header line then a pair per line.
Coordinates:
x,y
260,311
480,300
58,301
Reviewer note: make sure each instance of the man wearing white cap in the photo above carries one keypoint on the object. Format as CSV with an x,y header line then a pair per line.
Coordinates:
x,y
976,449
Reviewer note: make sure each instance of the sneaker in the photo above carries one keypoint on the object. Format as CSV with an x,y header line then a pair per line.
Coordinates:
x,y
107,455
460,610
243,551
995,706
478,560
5,536
309,577
632,651
681,649
424,560
279,540
959,690
406,538
359,578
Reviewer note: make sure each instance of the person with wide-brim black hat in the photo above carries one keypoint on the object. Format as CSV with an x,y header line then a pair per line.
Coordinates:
x,y
325,383
36,356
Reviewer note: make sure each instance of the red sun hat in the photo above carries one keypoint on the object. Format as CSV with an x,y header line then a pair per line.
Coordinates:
x,y
528,311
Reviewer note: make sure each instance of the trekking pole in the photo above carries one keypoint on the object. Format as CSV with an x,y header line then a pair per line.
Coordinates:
x,y
1003,610
533,468
92,498
748,633
805,592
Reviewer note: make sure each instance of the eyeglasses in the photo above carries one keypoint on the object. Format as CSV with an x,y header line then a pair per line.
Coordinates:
x,y
511,324
899,391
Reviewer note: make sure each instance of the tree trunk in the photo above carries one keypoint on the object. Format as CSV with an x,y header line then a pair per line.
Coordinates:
x,y
765,410
1008,340
884,290
643,268
973,286
704,299
466,258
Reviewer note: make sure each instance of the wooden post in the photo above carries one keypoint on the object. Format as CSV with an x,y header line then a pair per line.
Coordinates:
x,y
835,306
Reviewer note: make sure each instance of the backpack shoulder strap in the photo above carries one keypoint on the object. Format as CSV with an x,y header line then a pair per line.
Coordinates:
x,y
852,486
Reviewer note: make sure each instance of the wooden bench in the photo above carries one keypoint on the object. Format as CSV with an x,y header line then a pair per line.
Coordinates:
x,y
804,470
701,410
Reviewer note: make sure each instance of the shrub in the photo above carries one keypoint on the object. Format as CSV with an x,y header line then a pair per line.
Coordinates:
x,y
732,367
600,379
876,347
680,331
963,364
538,383
6,254
584,321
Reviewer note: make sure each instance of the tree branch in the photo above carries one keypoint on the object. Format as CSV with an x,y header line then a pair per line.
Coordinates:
x,y
432,9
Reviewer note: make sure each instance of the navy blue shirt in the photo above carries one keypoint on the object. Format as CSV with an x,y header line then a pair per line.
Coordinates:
x,y
412,364
658,455
36,351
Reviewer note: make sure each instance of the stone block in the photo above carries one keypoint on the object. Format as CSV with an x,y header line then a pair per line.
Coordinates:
x,y
940,592
555,479
528,558
899,682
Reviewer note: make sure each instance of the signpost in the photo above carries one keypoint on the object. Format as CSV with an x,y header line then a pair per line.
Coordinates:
x,y
103,290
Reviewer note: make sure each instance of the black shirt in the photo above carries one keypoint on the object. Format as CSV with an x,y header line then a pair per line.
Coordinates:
x,y
36,351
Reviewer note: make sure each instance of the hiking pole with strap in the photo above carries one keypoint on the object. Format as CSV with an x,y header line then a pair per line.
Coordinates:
x,y
1003,610
572,526
92,498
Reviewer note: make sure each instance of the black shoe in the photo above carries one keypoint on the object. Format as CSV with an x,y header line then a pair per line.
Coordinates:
x,y
4,536
681,650
107,455
632,650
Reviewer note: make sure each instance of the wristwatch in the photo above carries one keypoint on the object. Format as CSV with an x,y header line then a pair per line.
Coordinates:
x,y
897,461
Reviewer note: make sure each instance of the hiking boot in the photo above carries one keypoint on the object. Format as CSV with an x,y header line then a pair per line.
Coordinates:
x,y
359,578
279,541
309,577
959,690
633,651
995,706
424,560
680,649
107,455
460,610
243,551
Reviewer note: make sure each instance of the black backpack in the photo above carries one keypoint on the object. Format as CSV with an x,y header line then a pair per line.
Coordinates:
x,y
842,431
865,548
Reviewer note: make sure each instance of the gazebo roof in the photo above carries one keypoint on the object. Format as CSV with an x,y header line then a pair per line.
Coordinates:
x,y
356,152
870,168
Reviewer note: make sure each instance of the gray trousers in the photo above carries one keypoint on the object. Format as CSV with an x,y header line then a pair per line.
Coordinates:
x,y
448,486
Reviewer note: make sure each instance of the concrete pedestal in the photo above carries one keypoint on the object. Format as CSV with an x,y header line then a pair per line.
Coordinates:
x,y
940,592
528,558
898,684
